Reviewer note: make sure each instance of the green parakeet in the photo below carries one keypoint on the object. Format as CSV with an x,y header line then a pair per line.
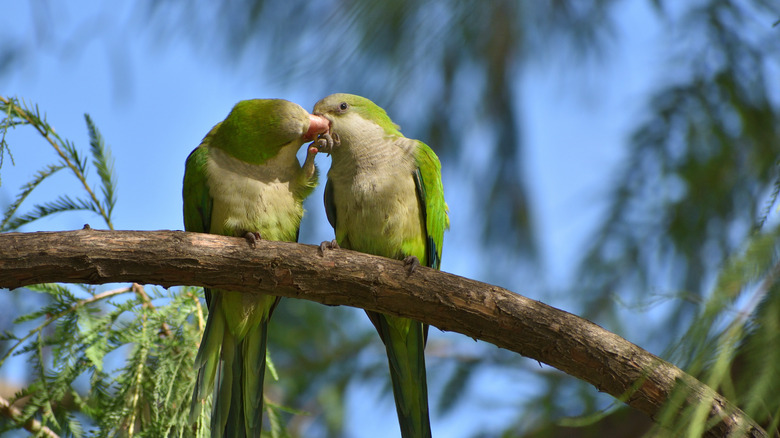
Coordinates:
x,y
245,180
384,196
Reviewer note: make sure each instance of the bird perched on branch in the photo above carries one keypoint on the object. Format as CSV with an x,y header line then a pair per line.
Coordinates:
x,y
245,180
384,196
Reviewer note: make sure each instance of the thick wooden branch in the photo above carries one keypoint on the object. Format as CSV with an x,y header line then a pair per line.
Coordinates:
x,y
341,277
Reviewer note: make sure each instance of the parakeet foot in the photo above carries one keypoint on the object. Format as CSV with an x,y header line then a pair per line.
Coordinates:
x,y
252,237
309,169
328,245
411,263
327,141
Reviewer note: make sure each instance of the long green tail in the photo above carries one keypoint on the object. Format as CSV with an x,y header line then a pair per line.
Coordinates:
x,y
404,340
238,368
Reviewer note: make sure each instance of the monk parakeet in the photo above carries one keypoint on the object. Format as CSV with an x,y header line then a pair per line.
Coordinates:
x,y
245,180
384,196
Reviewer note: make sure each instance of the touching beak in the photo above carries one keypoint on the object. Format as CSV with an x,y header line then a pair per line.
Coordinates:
x,y
317,125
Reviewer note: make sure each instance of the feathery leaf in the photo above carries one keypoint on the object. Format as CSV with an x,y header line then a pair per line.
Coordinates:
x,y
103,163
40,176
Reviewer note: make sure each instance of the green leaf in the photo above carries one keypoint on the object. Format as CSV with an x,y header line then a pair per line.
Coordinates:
x,y
62,204
278,429
96,345
104,164
26,190
270,365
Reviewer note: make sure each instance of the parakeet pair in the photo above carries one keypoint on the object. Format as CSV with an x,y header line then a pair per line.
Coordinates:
x,y
384,196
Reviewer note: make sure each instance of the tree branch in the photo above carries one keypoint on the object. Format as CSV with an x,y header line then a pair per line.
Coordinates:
x,y
342,277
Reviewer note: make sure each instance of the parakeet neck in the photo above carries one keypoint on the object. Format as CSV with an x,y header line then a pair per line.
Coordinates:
x,y
368,148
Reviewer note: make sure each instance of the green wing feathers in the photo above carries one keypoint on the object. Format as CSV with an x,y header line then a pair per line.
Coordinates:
x,y
197,200
198,203
431,194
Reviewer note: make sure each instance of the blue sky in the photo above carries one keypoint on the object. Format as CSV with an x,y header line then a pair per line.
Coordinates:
x,y
155,101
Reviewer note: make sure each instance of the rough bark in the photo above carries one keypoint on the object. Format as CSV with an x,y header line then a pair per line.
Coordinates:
x,y
341,277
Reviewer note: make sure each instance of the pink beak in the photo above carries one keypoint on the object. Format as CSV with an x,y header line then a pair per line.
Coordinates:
x,y
317,125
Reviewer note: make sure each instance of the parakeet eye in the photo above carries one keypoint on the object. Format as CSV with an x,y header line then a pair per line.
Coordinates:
x,y
343,106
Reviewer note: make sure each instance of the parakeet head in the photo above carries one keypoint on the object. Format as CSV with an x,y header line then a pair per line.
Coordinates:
x,y
348,115
257,129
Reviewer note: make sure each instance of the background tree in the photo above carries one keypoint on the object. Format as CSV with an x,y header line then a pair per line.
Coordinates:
x,y
679,261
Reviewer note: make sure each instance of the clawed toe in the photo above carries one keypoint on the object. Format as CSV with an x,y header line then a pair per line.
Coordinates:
x,y
411,263
329,245
326,142
252,237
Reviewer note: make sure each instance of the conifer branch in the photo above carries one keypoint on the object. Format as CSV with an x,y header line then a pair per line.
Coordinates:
x,y
53,318
19,115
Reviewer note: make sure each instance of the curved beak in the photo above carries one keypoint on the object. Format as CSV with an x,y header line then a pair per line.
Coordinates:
x,y
317,125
